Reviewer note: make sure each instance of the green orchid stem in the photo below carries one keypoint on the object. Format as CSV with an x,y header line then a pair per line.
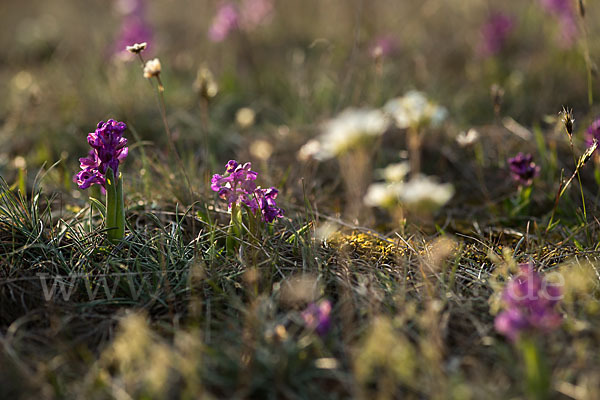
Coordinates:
x,y
120,211
234,234
536,370
115,210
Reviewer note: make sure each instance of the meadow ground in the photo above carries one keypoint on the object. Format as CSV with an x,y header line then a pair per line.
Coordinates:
x,y
419,219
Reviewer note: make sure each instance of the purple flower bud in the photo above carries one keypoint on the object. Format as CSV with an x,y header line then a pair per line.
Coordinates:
x,y
108,150
523,169
530,305
317,317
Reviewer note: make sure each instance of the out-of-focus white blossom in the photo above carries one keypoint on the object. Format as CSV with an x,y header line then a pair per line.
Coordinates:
x,y
384,195
424,192
466,139
394,173
351,129
421,193
414,110
309,150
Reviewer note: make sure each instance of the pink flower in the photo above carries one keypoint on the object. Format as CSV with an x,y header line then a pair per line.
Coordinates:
x,y
530,305
225,21
317,317
494,33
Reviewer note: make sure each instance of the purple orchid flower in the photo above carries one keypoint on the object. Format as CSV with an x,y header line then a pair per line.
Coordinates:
x,y
530,305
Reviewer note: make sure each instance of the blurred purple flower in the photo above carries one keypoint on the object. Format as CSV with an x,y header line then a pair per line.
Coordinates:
x,y
225,20
593,132
530,305
523,169
238,186
558,7
130,7
134,28
249,15
317,317
383,46
108,150
254,13
568,30
494,33
565,12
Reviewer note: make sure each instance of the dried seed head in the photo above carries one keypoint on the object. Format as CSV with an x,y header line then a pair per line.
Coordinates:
x,y
568,120
137,48
497,93
205,84
152,68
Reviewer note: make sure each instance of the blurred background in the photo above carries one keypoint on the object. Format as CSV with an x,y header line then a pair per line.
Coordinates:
x,y
256,78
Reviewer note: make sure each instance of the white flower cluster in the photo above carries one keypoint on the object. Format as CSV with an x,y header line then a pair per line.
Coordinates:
x,y
414,110
423,193
354,128
351,129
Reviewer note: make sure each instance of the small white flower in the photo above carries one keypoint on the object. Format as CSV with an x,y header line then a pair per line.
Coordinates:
x,y
394,173
351,129
466,139
309,150
383,195
415,110
424,192
137,48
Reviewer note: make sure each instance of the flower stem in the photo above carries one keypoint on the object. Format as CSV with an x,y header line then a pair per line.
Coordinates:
x,y
111,206
120,211
536,371
234,232
163,113
580,188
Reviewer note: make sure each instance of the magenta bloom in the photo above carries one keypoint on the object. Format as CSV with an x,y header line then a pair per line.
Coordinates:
x,y
224,22
494,33
265,199
530,305
558,7
523,169
109,149
237,186
254,13
134,28
593,132
564,11
383,46
317,317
